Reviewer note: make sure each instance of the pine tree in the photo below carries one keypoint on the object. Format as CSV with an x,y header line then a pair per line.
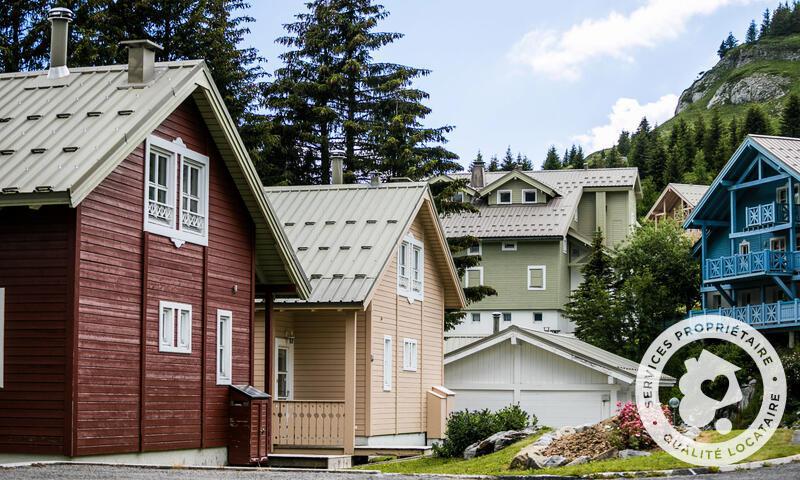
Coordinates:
x,y
624,143
790,117
23,35
551,161
734,137
566,160
722,50
713,146
756,122
699,174
699,128
494,164
781,22
524,162
752,32
765,22
508,162
613,159
578,160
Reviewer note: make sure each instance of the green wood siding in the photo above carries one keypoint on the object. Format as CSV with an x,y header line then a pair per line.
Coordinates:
x,y
516,187
586,214
507,272
618,223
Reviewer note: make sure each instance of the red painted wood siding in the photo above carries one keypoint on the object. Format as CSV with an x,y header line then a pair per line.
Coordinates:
x,y
35,270
110,415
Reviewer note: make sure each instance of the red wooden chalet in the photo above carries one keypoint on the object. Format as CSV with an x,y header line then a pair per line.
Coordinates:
x,y
134,234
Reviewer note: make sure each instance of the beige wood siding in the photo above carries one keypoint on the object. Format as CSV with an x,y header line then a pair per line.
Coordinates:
x,y
259,358
403,409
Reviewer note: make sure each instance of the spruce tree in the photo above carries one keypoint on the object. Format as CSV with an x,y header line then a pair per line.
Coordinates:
x,y
551,161
790,117
765,21
524,162
752,32
624,143
578,160
713,146
756,122
613,159
494,164
23,35
508,162
734,137
781,22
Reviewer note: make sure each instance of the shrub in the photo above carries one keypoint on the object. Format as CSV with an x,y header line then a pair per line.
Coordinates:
x,y
467,427
631,431
513,417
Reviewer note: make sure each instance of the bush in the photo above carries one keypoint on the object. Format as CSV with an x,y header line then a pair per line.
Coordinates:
x,y
791,365
631,431
513,417
467,427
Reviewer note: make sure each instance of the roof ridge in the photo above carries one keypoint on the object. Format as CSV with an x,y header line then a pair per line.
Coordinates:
x,y
348,186
757,135
118,67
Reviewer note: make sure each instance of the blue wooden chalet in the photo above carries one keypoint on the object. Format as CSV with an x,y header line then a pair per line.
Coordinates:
x,y
749,247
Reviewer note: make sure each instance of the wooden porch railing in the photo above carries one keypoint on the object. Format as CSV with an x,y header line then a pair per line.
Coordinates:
x,y
308,423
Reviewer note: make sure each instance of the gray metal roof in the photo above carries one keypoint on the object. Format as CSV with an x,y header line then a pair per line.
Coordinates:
x,y
575,347
566,181
691,193
59,139
344,234
786,149
551,219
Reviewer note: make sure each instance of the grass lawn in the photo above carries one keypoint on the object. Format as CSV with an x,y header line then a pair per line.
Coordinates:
x,y
497,463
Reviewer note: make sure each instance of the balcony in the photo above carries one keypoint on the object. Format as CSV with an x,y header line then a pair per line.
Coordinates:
x,y
768,215
762,316
748,264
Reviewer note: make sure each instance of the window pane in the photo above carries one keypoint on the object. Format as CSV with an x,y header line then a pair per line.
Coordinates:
x,y
195,184
476,317
153,167
185,178
282,365
162,196
162,170
167,321
283,390
506,317
186,328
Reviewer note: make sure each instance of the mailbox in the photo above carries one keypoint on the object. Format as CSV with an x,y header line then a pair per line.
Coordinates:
x,y
248,431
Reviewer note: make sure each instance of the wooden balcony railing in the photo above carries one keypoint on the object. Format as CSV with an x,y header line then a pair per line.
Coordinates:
x,y
760,315
746,264
308,423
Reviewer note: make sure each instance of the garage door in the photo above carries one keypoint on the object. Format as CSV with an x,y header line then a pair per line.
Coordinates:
x,y
566,408
480,399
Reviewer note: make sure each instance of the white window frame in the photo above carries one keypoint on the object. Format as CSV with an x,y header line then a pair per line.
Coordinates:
x,y
224,360
475,315
170,340
285,344
543,268
178,154
478,252
2,336
510,197
411,278
508,315
473,269
387,363
773,240
535,195
742,244
458,197
410,355
511,248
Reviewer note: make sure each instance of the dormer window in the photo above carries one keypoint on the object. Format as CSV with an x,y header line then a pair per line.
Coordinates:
x,y
504,197
176,194
530,196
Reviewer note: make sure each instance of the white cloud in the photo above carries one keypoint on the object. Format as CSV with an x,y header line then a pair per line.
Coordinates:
x,y
626,115
561,54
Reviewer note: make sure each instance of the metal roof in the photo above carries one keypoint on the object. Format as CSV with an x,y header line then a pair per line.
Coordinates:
x,y
691,193
551,219
344,235
568,180
59,139
785,149
586,353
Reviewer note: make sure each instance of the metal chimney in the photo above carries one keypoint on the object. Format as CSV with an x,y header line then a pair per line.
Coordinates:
x,y
141,60
59,35
476,181
374,179
337,173
495,322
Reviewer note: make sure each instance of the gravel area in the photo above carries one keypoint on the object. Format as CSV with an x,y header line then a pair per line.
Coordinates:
x,y
105,472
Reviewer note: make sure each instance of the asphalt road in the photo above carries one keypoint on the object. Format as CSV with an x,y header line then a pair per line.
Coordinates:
x,y
95,472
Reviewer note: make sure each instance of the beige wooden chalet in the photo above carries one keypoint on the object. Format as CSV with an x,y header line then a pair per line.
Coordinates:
x,y
352,368
677,201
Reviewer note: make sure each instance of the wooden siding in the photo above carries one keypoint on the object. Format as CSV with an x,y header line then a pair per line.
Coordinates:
x,y
403,409
516,187
36,270
176,404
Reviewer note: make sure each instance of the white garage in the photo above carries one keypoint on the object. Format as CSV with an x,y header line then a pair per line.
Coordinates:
x,y
560,379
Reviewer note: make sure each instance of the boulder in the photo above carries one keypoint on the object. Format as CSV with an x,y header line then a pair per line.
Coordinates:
x,y
758,87
630,453
551,462
496,442
580,461
610,453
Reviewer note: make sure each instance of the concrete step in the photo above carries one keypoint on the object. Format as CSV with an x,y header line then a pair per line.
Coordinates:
x,y
297,460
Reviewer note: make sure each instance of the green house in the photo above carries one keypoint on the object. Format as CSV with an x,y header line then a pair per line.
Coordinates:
x,y
535,229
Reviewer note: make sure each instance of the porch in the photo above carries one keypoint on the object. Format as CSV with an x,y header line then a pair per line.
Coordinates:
x,y
761,316
763,262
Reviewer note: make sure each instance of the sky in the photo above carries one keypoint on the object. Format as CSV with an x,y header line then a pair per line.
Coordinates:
x,y
530,74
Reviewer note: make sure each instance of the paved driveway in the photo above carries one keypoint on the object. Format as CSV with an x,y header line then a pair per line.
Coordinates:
x,y
93,472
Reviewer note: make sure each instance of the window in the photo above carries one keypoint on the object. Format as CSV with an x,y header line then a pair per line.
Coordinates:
x,y
224,346
410,269
530,196
284,366
409,355
175,327
176,208
744,247
2,334
716,300
537,316
509,247
458,197
781,194
476,318
537,277
473,276
504,197
777,244
387,363
475,249
506,316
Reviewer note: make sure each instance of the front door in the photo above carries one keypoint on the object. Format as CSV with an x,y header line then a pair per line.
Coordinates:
x,y
284,366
